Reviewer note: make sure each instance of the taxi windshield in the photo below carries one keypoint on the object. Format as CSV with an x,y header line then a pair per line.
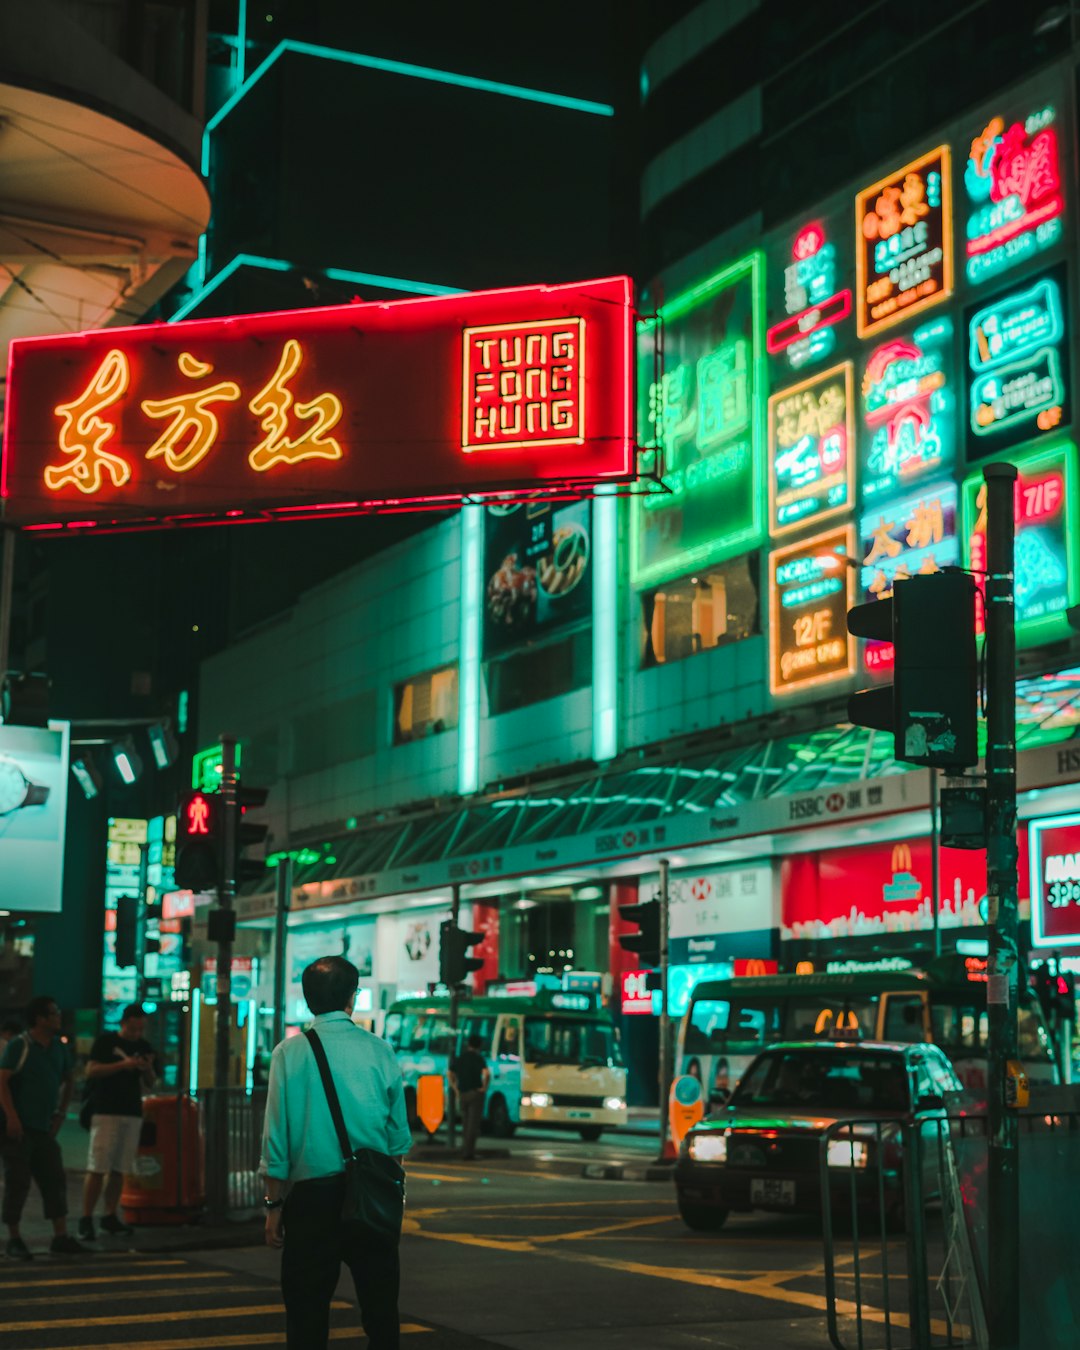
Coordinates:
x,y
812,1080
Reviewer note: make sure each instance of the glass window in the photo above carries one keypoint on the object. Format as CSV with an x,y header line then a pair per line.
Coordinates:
x,y
441,1039
392,1030
475,1025
1033,1042
510,1038
426,705
837,1017
825,1080
709,609
904,1018
741,1026
959,1026
566,1040
414,1034
707,1026
539,673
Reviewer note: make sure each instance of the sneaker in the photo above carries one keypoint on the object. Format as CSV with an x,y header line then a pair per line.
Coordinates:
x,y
17,1250
65,1245
111,1224
86,1229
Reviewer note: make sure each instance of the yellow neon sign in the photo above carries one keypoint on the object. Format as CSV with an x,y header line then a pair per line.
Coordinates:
x,y
83,433
272,404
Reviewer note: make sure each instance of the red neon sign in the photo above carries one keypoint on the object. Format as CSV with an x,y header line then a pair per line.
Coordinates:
x,y
361,407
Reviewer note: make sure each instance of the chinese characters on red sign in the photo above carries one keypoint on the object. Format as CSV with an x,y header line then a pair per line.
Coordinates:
x,y
346,409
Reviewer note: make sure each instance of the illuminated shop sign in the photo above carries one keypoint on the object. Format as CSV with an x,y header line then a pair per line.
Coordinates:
x,y
706,412
810,592
811,450
636,994
1046,565
907,404
349,409
813,301
1018,359
1054,850
1013,181
903,250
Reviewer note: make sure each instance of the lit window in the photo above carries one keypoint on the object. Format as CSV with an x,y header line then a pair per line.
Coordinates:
x,y
696,613
426,705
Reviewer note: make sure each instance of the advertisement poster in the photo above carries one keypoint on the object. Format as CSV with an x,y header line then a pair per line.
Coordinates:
x,y
355,940
717,914
811,590
1046,564
1018,365
706,414
809,291
1013,183
903,249
1054,850
537,573
907,404
811,450
33,816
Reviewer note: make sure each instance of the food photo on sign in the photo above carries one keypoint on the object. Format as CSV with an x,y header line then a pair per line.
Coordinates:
x,y
537,573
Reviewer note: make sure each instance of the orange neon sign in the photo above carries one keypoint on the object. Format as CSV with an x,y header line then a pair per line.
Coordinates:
x,y
343,410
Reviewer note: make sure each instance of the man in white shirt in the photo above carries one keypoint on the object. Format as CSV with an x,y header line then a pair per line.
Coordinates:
x,y
301,1154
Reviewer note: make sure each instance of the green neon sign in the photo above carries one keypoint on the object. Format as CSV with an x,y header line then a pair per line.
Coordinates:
x,y
206,768
706,410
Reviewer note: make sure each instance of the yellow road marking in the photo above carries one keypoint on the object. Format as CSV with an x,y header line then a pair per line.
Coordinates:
x,y
125,1279
54,1299
185,1315
415,1175
621,1226
252,1338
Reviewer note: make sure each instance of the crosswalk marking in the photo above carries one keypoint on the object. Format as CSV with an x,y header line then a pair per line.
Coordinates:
x,y
224,1342
184,1315
27,1278
53,1300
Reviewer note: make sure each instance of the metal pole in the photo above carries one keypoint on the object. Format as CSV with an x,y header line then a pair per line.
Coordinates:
x,y
451,1114
1001,890
7,585
283,897
935,858
218,1183
140,924
665,1020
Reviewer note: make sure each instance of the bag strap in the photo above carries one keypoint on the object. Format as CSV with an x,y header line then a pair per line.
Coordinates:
x,y
331,1092
25,1037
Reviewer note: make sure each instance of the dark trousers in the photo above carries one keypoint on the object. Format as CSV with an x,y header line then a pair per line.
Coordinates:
x,y
36,1156
316,1243
472,1112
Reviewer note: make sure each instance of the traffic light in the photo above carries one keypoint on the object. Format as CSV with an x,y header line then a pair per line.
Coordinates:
x,y
645,944
1065,995
198,841
127,918
248,833
455,963
931,706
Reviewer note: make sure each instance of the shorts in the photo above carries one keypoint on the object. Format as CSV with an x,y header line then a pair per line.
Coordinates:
x,y
114,1141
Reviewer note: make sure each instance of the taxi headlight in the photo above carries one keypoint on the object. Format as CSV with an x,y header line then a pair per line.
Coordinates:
x,y
536,1099
847,1153
614,1104
708,1147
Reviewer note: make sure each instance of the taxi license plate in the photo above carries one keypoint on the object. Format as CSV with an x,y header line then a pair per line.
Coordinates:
x,y
579,1115
771,1191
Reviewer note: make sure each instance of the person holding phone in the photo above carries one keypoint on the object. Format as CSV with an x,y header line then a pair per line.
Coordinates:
x,y
121,1065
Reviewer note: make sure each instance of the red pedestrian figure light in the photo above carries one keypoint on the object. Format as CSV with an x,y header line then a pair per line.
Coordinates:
x,y
198,813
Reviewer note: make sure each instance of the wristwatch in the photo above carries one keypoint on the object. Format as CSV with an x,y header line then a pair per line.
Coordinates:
x,y
16,790
271,1204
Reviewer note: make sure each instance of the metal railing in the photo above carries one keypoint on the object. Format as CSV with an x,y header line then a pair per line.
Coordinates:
x,y
234,1119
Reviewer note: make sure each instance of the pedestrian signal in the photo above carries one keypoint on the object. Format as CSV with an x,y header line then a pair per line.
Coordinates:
x,y
198,841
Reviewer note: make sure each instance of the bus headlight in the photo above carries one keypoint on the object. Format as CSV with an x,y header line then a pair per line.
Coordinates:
x,y
540,1099
846,1153
614,1104
708,1147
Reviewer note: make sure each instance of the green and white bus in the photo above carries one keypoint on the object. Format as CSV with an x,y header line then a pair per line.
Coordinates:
x,y
554,1057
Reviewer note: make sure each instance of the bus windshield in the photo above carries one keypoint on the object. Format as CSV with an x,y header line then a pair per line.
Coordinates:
x,y
571,1040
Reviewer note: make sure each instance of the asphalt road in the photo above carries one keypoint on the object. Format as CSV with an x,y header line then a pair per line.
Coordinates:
x,y
504,1252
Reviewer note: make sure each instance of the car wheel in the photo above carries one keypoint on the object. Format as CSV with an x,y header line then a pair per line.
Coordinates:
x,y
701,1218
502,1127
591,1133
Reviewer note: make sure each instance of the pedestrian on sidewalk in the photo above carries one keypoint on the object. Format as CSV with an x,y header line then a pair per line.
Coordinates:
x,y
337,1080
121,1065
36,1078
469,1079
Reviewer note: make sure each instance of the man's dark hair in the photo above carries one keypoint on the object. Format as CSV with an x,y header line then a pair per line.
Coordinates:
x,y
474,1043
38,1007
132,1010
329,983
9,1027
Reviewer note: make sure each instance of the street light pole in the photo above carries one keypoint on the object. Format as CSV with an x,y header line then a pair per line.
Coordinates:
x,y
222,930
1002,910
282,900
140,923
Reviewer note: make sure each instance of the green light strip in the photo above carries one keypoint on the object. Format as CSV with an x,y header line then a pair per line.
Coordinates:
x,y
605,664
472,596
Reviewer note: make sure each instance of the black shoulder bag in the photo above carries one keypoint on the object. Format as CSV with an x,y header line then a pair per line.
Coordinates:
x,y
374,1182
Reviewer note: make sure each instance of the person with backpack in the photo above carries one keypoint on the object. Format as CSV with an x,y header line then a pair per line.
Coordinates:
x,y
36,1079
120,1066
335,1134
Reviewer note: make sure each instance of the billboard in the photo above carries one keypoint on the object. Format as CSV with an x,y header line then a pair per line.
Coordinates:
x,y
811,589
347,409
1054,854
811,450
33,816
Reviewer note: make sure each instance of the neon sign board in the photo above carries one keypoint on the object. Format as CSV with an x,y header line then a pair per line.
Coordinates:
x,y
903,252
811,450
1018,360
810,592
907,411
1046,563
342,410
1054,850
707,413
813,303
1013,181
